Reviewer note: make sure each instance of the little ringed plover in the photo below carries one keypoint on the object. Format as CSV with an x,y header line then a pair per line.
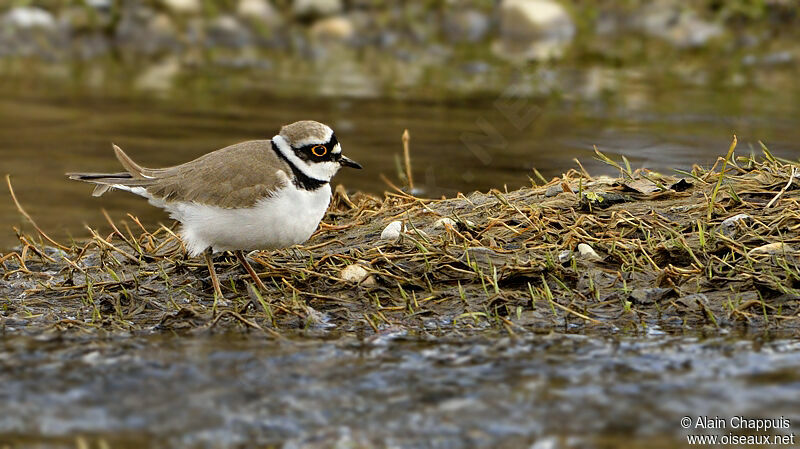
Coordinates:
x,y
260,194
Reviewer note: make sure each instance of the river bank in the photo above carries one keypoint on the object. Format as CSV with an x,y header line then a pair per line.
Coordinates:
x,y
416,50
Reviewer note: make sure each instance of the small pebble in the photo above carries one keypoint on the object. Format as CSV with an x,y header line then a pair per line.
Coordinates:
x,y
564,256
354,273
440,223
553,191
370,281
729,227
588,253
771,248
392,231
183,6
318,320
649,295
29,17
256,9
695,301
333,29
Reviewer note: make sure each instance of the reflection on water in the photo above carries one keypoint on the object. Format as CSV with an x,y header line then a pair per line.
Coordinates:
x,y
459,143
389,391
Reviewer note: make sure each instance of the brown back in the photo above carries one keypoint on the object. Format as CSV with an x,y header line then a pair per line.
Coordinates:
x,y
235,176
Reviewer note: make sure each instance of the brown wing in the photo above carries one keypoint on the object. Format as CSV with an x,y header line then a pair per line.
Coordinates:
x,y
235,176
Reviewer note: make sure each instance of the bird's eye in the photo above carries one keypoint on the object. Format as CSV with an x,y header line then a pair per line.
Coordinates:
x,y
319,150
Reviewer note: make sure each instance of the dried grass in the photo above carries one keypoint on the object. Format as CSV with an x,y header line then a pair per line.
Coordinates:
x,y
511,261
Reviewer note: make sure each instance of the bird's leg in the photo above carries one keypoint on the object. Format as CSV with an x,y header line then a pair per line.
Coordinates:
x,y
250,270
214,280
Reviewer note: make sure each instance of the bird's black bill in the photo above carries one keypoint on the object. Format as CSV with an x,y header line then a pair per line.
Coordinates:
x,y
347,162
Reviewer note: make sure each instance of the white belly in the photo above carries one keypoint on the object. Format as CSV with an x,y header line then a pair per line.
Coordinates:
x,y
287,218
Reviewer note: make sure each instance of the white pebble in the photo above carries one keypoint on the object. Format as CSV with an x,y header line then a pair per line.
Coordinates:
x,y
771,248
392,231
29,17
734,219
183,6
442,222
588,253
729,226
354,273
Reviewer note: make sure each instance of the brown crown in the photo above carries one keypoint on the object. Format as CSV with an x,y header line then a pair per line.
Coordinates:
x,y
305,130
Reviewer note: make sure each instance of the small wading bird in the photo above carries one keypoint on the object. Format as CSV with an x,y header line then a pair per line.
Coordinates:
x,y
260,194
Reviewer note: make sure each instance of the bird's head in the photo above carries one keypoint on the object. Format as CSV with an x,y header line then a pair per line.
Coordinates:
x,y
313,148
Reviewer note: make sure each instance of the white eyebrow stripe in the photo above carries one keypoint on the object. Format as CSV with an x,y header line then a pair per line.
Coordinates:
x,y
315,140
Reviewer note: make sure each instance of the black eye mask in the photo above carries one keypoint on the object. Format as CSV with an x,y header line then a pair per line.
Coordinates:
x,y
306,152
301,180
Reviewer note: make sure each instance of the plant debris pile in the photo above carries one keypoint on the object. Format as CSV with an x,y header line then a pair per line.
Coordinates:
x,y
713,247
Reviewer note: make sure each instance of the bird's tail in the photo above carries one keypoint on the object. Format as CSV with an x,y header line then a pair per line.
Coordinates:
x,y
135,176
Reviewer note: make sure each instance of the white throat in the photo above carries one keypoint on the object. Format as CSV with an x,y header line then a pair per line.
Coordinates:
x,y
322,171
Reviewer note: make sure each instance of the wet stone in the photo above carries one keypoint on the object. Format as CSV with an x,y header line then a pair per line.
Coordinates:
x,y
694,302
29,17
315,8
730,227
142,30
183,6
601,200
226,31
318,320
643,186
681,185
336,28
553,190
534,29
100,5
484,257
256,9
466,25
649,295
677,24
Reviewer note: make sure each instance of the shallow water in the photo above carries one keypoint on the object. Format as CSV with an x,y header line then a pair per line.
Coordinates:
x,y
391,390
52,124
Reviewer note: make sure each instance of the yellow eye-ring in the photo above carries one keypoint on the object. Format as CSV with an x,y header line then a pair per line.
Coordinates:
x,y
319,150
